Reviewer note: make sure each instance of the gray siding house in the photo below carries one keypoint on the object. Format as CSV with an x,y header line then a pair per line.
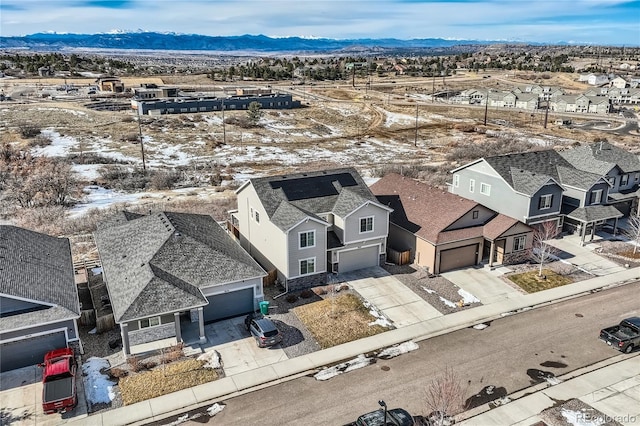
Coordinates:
x,y
167,271
303,226
540,186
38,297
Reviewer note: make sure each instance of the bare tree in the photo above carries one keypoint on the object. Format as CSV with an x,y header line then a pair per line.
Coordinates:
x,y
444,397
633,231
541,250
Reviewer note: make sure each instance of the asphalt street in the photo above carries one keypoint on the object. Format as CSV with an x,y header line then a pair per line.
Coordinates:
x,y
513,353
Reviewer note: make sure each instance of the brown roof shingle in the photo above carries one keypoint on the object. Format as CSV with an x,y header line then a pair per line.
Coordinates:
x,y
419,208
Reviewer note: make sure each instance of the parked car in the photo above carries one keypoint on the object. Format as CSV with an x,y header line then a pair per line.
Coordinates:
x,y
395,417
263,330
624,336
59,381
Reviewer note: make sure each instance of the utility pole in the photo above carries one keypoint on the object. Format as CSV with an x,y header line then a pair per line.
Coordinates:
x,y
415,139
486,108
144,166
546,115
224,126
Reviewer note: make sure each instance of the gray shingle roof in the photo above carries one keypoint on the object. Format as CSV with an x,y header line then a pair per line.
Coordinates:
x,y
158,263
527,171
577,178
339,191
594,213
601,157
37,267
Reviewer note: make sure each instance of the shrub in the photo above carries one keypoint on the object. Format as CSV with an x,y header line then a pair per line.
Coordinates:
x,y
164,179
291,298
149,364
28,130
134,363
174,353
306,294
117,373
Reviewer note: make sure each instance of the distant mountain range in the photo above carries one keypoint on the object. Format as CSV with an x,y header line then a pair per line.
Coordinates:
x,y
195,42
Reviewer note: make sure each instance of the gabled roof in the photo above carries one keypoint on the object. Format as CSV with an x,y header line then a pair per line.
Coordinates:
x,y
38,268
339,191
159,263
419,208
526,172
601,157
497,226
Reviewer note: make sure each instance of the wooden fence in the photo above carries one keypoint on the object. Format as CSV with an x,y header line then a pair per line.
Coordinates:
x,y
398,257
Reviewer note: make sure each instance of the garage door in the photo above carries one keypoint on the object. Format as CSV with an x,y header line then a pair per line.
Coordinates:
x,y
22,353
358,259
227,305
458,257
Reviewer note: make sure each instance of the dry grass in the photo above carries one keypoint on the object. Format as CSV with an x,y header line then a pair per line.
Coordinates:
x,y
531,283
338,320
164,380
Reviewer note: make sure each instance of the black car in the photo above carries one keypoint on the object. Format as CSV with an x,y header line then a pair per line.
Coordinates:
x,y
395,417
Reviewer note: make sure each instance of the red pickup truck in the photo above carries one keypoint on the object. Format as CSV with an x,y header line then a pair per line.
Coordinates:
x,y
59,381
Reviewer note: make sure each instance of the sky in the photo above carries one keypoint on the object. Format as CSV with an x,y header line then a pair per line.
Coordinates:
x,y
603,22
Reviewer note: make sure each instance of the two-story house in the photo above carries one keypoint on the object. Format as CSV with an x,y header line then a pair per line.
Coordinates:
x,y
536,187
306,225
619,167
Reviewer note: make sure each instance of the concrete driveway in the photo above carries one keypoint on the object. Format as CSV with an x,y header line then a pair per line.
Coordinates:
x,y
584,258
237,349
483,283
21,399
395,300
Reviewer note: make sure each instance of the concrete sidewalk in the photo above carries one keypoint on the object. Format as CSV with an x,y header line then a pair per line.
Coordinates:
x,y
611,387
261,377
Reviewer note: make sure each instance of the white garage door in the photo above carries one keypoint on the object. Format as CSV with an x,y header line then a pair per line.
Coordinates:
x,y
227,305
358,259
458,257
25,352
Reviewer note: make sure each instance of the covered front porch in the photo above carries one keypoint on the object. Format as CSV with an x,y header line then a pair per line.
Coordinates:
x,y
505,240
587,220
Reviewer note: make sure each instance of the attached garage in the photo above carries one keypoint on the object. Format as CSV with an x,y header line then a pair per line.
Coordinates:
x,y
227,305
358,259
30,351
458,257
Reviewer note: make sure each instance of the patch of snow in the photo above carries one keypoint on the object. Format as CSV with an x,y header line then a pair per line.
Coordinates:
x,y
96,271
211,359
60,145
93,331
578,418
215,409
180,420
448,302
428,290
400,349
400,119
380,319
359,362
506,314
467,297
552,380
99,197
97,386
480,326
501,401
87,172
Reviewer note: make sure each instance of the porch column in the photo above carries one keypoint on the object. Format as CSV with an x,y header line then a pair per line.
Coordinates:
x,y
615,226
124,332
593,231
203,339
491,251
176,319
583,232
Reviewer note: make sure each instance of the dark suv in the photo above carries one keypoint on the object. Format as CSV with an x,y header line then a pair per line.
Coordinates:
x,y
395,417
263,330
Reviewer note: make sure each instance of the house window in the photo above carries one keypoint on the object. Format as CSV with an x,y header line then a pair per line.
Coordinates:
x,y
545,201
456,181
485,188
366,224
596,196
475,214
307,239
624,180
472,185
637,177
519,243
251,212
307,266
257,217
149,322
